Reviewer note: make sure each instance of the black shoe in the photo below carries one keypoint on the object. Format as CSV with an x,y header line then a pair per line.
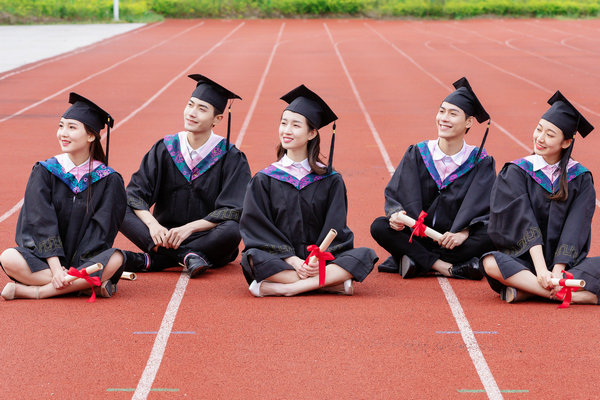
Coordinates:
x,y
389,265
468,270
136,262
408,268
195,264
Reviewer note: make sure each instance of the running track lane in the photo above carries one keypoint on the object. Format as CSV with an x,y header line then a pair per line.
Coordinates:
x,y
385,343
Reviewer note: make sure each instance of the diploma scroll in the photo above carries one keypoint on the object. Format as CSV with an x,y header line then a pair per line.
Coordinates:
x,y
410,222
326,242
130,276
89,270
578,283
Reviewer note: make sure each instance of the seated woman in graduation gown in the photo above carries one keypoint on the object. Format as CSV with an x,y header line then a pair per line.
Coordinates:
x,y
73,207
541,214
450,180
292,204
196,181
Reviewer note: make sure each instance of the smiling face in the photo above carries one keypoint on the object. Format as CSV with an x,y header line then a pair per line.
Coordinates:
x,y
294,132
73,138
452,122
549,141
199,116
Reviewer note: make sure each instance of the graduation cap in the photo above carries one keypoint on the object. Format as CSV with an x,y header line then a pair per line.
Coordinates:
x,y
89,114
566,117
305,102
465,99
215,95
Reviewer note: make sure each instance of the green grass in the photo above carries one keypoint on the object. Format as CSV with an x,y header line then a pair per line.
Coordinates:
x,y
32,11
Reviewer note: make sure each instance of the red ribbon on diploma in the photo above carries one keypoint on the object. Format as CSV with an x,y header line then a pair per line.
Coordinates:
x,y
92,280
322,256
565,292
419,227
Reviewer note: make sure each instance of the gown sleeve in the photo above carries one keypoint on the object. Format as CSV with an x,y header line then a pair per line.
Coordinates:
x,y
403,192
475,206
257,225
513,227
142,188
575,236
107,217
228,205
37,226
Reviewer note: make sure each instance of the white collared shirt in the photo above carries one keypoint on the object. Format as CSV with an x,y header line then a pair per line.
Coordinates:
x,y
445,164
78,171
297,169
552,171
193,156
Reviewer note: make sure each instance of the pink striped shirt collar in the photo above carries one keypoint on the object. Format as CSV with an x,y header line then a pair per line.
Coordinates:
x,y
445,164
193,156
552,171
297,169
78,171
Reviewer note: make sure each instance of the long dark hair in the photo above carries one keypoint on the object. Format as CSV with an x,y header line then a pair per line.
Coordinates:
x,y
96,153
313,149
563,185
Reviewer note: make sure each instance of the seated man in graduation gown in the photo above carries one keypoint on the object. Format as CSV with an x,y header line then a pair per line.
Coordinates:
x,y
451,182
196,181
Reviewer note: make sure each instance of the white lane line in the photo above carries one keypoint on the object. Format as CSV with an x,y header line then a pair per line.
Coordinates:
x,y
497,125
483,370
485,375
29,107
240,138
143,106
160,342
520,77
508,44
13,210
35,65
382,150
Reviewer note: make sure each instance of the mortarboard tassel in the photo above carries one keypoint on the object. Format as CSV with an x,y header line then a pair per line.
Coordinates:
x,y
108,124
227,141
228,126
487,129
330,164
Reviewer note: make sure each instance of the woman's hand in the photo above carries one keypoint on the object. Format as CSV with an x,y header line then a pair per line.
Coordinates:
x,y
304,271
395,222
451,240
58,277
543,278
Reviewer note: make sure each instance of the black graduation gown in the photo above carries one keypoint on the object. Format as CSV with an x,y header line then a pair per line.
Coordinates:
x,y
214,190
282,216
522,216
58,219
460,201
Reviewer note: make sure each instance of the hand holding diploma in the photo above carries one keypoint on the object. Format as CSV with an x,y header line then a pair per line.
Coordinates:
x,y
318,254
567,287
74,273
418,227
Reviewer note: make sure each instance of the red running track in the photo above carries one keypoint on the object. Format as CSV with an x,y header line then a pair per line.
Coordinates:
x,y
163,336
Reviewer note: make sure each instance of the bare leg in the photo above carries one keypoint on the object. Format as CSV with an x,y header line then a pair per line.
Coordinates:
x,y
584,297
334,276
442,267
16,267
524,281
287,276
46,290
